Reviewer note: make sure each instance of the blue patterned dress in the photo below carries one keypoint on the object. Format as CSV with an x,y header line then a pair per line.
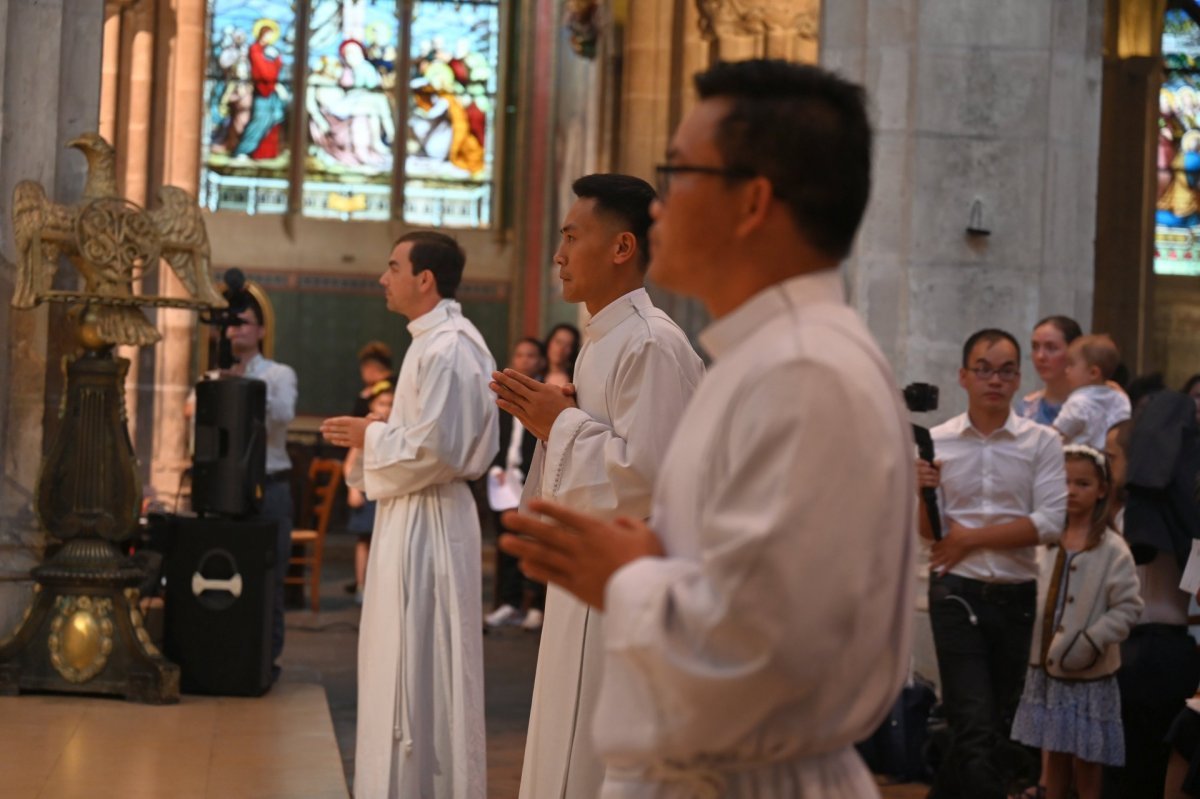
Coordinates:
x,y
1079,717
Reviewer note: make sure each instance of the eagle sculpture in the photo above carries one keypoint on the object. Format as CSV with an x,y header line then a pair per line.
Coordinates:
x,y
111,242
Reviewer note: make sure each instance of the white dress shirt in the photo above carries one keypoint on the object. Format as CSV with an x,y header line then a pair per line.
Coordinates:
x,y
1016,472
281,407
775,633
1089,412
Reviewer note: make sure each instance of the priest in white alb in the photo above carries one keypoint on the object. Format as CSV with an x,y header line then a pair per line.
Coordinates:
x,y
760,623
420,653
600,452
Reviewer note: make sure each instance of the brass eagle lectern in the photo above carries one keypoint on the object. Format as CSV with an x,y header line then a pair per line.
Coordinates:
x,y
83,632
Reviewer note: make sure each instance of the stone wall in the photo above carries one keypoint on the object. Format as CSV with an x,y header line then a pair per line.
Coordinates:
x,y
995,102
49,93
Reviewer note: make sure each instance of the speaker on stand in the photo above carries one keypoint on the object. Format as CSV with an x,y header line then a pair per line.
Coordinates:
x,y
230,459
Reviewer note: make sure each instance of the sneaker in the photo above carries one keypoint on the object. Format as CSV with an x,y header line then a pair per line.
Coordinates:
x,y
503,615
533,621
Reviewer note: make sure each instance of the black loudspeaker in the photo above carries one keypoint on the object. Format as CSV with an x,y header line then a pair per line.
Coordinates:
x,y
220,594
231,446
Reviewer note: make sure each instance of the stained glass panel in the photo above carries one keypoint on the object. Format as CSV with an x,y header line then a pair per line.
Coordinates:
x,y
1177,210
248,102
455,52
350,98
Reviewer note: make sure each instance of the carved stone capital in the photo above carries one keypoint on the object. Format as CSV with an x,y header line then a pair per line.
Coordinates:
x,y
757,28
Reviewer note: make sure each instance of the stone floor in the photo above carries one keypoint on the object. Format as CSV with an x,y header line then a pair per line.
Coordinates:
x,y
322,648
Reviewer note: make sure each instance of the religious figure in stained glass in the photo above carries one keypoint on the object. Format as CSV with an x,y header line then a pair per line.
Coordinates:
x,y
1177,210
248,96
350,100
452,92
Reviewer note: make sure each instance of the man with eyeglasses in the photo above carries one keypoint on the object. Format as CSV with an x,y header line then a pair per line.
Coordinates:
x,y
759,624
1002,490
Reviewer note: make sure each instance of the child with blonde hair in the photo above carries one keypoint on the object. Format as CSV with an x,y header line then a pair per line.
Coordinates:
x,y
1088,601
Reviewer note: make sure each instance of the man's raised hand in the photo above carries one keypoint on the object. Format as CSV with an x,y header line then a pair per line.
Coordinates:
x,y
580,553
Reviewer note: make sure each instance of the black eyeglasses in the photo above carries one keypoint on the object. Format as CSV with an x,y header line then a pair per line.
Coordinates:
x,y
665,171
1006,373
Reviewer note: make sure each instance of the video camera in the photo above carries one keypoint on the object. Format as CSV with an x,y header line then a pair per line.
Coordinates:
x,y
239,300
922,398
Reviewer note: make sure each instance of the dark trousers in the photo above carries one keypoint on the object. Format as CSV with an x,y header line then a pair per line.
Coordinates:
x,y
1159,670
277,506
511,584
982,633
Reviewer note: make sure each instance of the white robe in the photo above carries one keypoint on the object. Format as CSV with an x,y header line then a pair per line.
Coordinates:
x,y
776,632
633,378
420,651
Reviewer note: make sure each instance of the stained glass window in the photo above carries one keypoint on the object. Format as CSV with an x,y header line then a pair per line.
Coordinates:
x,y
1177,210
350,89
350,98
248,105
454,49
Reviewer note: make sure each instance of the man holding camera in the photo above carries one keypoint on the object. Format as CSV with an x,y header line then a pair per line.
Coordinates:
x,y
1002,488
245,339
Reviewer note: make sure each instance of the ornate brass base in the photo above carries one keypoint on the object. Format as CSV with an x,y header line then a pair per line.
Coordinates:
x,y
84,634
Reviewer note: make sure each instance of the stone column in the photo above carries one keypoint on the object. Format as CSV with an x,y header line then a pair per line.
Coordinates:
x,y
988,103
738,30
182,65
991,102
49,93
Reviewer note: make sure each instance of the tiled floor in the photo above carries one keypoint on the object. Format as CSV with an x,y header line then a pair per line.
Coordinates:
x,y
294,743
280,745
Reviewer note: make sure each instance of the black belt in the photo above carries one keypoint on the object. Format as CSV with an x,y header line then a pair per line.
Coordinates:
x,y
965,586
278,477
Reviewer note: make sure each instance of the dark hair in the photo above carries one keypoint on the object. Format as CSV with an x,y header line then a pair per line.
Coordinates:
x,y
541,348
1101,517
376,351
989,335
627,199
574,331
1120,375
1069,328
438,253
1190,384
1143,386
805,130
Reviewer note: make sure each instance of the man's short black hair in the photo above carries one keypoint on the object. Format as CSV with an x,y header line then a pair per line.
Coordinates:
x,y
625,197
438,253
805,130
989,335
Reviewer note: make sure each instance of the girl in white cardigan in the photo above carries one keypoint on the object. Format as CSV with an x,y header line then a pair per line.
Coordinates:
x,y
1087,603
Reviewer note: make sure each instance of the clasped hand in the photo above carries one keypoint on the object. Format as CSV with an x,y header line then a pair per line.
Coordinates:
x,y
535,404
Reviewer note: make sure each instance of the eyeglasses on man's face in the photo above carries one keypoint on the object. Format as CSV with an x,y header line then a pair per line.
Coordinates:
x,y
665,171
1006,373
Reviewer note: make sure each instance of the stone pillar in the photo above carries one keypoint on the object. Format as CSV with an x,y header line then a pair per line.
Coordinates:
x,y
181,63
988,102
49,93
972,102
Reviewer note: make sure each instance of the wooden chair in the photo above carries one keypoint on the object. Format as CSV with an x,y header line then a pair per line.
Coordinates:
x,y
324,479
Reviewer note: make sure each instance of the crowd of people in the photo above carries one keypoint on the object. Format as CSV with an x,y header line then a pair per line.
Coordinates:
x,y
730,553
1047,633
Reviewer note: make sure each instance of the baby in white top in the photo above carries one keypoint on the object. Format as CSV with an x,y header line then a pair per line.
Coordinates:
x,y
1094,406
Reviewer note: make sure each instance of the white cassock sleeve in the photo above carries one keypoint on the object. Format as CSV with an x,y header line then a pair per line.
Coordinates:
x,y
597,468
701,650
443,441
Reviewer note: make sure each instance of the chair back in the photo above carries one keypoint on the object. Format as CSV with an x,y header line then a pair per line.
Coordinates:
x,y
324,479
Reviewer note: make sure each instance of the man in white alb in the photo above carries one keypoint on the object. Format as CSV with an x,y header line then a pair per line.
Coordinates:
x,y
600,452
420,654
760,624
